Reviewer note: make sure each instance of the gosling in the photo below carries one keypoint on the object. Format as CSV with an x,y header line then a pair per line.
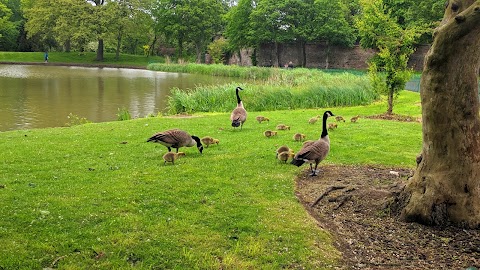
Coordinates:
x,y
332,126
207,140
261,119
283,148
283,127
355,119
339,119
299,137
313,120
171,157
285,156
269,133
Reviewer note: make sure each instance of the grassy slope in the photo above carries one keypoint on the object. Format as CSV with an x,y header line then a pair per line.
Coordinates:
x,y
81,193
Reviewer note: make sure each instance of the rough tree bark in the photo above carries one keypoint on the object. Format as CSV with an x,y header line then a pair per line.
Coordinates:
x,y
445,188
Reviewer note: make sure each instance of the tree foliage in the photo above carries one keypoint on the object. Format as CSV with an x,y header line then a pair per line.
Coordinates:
x,y
379,29
195,22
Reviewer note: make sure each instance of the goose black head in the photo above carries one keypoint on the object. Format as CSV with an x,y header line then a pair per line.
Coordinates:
x,y
328,113
199,144
238,88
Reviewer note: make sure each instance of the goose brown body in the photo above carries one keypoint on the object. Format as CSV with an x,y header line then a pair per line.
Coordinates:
x,y
176,138
315,151
239,114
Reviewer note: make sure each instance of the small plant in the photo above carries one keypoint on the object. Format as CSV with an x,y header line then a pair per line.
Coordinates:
x,y
75,120
123,114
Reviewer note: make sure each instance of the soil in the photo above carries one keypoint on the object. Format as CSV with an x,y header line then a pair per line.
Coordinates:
x,y
355,210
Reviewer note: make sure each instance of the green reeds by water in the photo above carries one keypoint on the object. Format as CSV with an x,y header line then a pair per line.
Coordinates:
x,y
286,93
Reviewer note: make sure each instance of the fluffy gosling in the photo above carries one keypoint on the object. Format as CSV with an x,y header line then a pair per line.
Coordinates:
x,y
355,119
269,133
207,140
283,127
261,119
283,148
171,157
299,137
332,126
339,119
313,120
285,156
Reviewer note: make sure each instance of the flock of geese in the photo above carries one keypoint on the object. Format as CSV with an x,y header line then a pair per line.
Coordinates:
x,y
312,151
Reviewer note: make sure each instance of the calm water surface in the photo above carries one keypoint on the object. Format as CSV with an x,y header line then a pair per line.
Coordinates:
x,y
43,96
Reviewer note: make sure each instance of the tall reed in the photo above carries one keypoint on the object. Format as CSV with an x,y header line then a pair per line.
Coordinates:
x,y
281,91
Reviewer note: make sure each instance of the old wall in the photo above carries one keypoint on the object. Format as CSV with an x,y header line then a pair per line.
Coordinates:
x,y
319,55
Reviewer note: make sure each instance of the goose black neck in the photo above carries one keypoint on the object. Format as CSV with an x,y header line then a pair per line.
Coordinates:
x,y
324,125
238,97
197,140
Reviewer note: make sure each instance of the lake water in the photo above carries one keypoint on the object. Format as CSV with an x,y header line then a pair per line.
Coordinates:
x,y
37,96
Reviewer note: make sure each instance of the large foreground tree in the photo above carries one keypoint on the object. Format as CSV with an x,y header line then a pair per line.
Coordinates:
x,y
445,188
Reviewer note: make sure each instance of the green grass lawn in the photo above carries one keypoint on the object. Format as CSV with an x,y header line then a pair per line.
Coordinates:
x,y
97,196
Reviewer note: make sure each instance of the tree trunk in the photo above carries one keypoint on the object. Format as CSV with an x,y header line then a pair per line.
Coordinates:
x,y
390,102
304,53
100,50
119,43
445,188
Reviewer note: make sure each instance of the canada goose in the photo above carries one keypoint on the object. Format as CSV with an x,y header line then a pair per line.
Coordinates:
x,y
239,114
298,137
260,119
354,119
308,142
332,126
339,118
269,133
207,140
285,155
283,148
283,127
316,151
313,120
171,157
176,138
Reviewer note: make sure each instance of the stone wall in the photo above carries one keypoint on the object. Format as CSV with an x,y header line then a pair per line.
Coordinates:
x,y
319,55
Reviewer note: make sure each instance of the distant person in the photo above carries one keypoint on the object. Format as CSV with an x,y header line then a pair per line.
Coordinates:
x,y
46,57
290,64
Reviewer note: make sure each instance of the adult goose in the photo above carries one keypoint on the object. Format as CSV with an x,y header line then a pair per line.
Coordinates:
x,y
239,114
176,138
317,150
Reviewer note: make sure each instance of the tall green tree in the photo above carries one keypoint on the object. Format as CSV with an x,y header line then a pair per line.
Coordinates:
x,y
238,28
270,24
10,24
332,24
380,30
5,24
193,22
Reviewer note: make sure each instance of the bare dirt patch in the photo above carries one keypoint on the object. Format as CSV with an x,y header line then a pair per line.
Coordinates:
x,y
395,117
354,208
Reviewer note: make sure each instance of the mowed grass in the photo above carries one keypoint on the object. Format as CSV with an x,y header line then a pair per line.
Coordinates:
x,y
98,196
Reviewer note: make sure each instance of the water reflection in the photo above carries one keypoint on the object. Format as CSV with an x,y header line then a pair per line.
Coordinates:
x,y
43,96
